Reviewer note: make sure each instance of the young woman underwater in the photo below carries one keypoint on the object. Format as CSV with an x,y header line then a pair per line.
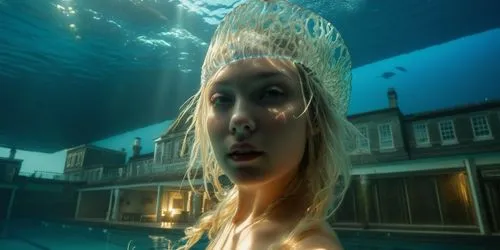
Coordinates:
x,y
270,115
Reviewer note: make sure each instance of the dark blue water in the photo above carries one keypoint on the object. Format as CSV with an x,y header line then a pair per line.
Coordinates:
x,y
62,236
84,42
47,235
89,39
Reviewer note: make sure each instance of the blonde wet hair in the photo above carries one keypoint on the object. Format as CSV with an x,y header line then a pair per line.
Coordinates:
x,y
283,31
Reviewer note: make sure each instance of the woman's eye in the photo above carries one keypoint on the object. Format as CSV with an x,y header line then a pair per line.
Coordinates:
x,y
273,92
219,99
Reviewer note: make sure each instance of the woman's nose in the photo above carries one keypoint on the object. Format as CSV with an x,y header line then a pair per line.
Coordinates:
x,y
242,124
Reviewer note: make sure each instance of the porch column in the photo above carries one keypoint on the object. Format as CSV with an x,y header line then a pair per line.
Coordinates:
x,y
189,205
185,198
5,228
166,198
110,204
11,203
78,200
365,201
473,180
204,201
116,204
159,196
197,205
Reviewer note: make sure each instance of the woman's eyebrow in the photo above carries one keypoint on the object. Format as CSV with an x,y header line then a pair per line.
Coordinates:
x,y
265,75
261,75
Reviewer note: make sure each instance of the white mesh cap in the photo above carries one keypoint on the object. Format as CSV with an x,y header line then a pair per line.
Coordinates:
x,y
281,30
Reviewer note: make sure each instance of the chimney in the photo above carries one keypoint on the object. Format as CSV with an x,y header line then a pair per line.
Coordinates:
x,y
392,96
12,154
136,149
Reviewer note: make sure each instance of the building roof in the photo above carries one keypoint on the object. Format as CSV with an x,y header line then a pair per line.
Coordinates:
x,y
375,112
142,157
89,146
180,124
460,109
9,160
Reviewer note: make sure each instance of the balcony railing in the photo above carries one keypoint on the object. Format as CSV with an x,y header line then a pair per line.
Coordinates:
x,y
43,175
99,173
129,172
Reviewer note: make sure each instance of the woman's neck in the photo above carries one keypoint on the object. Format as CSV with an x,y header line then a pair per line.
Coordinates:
x,y
282,198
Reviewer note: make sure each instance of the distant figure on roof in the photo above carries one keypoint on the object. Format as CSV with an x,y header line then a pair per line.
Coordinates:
x,y
12,153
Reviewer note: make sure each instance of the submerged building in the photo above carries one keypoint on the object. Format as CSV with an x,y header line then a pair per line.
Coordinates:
x,y
431,171
437,170
149,187
9,169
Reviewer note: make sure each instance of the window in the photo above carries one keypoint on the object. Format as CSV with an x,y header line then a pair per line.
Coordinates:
x,y
71,160
167,154
158,152
385,135
80,159
189,142
447,132
363,141
349,209
139,170
130,169
392,201
421,134
177,148
178,203
480,127
455,199
77,159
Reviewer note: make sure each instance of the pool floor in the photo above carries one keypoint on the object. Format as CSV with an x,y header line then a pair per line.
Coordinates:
x,y
55,236
12,244
43,235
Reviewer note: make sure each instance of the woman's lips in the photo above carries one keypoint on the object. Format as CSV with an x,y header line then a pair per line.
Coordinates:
x,y
244,157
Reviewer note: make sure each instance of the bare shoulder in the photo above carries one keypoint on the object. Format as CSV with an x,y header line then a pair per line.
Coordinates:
x,y
319,242
321,238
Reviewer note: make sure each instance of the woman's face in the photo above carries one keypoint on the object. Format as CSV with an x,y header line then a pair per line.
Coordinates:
x,y
254,120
